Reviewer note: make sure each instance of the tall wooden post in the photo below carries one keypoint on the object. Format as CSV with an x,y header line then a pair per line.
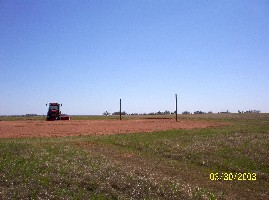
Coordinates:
x,y
176,107
120,109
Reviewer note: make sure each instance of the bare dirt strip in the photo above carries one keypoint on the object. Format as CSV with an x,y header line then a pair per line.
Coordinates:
x,y
14,129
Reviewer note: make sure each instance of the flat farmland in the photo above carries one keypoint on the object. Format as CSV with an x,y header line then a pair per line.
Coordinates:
x,y
38,128
136,158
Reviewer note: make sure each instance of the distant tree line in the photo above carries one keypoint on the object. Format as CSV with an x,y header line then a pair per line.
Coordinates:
x,y
250,111
196,112
106,113
118,113
210,112
30,115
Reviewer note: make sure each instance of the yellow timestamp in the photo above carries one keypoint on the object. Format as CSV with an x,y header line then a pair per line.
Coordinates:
x,y
225,176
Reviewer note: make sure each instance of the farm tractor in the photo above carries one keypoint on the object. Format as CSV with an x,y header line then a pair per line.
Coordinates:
x,y
54,112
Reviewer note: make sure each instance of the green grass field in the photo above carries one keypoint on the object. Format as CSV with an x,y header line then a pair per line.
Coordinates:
x,y
160,165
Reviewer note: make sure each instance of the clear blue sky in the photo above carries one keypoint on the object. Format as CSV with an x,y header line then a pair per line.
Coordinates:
x,y
89,54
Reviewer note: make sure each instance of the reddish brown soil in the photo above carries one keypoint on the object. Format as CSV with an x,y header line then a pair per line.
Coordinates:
x,y
13,129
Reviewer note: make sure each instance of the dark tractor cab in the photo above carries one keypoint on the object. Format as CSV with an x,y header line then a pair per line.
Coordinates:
x,y
54,112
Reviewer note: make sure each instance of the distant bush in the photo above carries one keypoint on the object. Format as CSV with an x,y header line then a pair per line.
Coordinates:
x,y
199,112
106,113
118,113
253,111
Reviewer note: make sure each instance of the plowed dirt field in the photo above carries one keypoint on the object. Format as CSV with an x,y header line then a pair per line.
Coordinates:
x,y
14,129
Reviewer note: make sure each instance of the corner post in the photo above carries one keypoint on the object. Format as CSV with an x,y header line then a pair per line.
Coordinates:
x,y
120,109
176,107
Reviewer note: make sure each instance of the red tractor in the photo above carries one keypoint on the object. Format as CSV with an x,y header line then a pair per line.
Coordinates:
x,y
54,113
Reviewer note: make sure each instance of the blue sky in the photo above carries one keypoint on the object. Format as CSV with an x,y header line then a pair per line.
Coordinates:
x,y
89,54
